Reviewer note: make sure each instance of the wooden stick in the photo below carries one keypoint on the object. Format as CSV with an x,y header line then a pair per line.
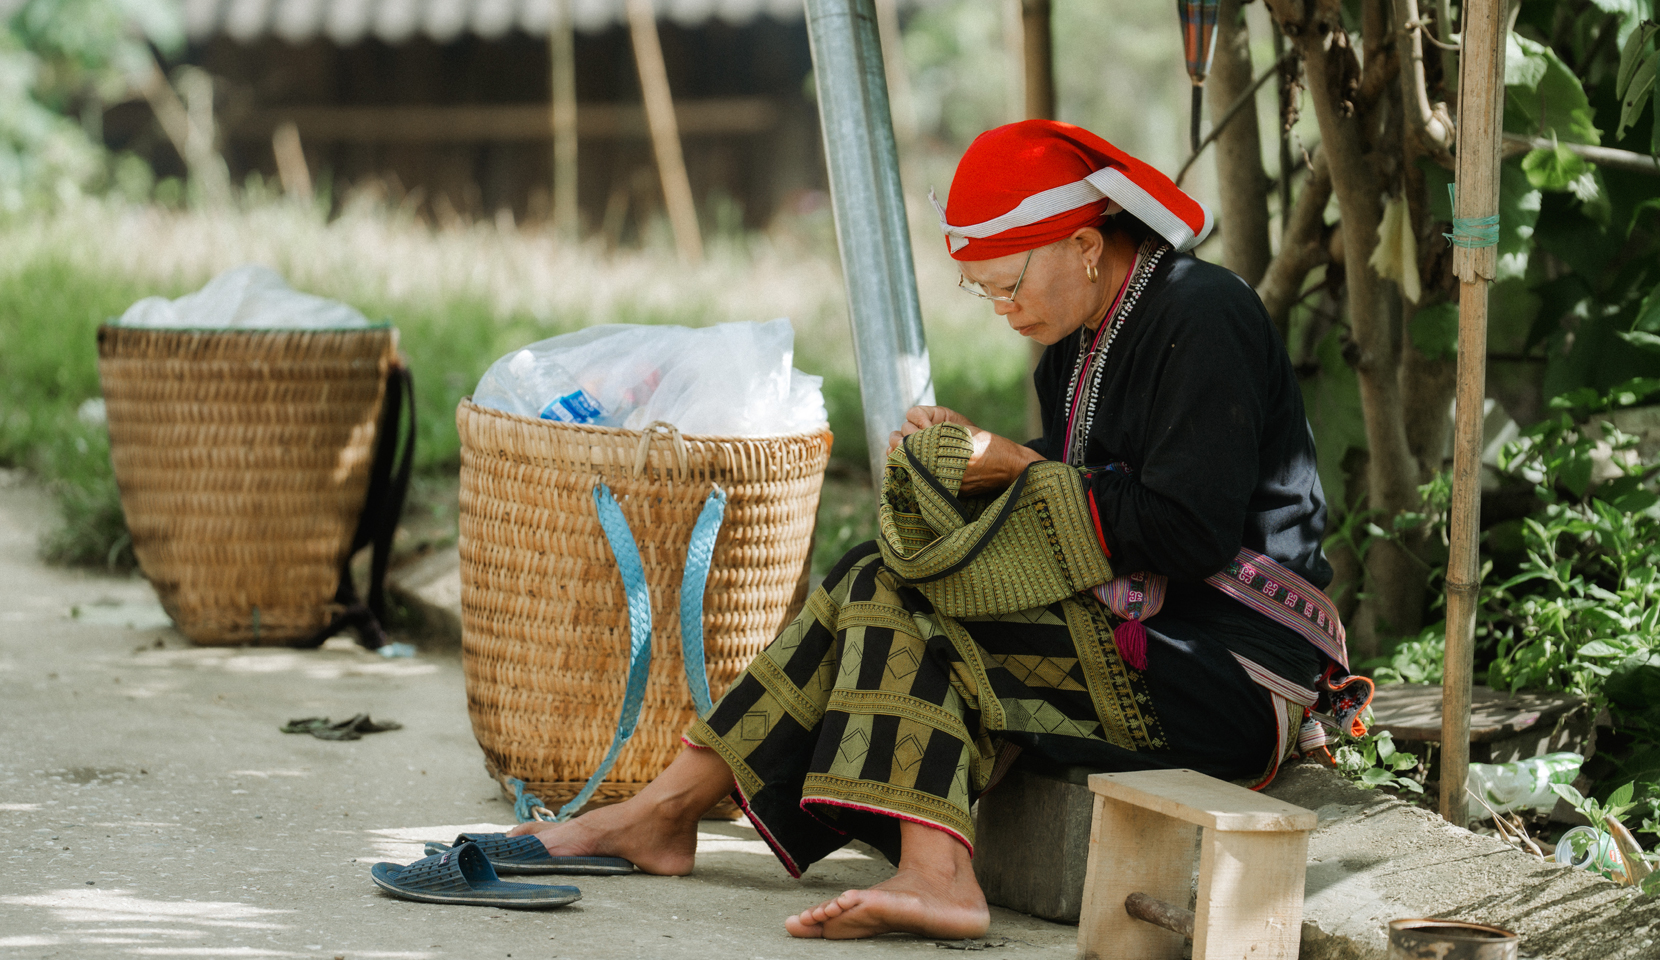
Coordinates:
x,y
665,136
1160,914
1222,122
1480,115
562,80
292,171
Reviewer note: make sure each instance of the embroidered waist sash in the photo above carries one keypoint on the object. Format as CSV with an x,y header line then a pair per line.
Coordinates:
x,y
1254,579
1271,589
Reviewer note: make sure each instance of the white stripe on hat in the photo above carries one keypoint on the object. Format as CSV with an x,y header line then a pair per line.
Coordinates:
x,y
1109,183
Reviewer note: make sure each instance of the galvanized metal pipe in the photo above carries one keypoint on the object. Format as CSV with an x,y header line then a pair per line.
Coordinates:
x,y
869,205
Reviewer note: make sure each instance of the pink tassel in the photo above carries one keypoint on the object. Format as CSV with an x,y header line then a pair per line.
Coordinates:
x,y
1131,638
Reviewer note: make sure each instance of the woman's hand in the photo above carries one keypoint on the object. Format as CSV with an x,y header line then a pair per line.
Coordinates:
x,y
993,465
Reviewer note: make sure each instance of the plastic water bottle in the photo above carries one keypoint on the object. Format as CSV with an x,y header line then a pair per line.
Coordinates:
x,y
1599,852
537,386
578,406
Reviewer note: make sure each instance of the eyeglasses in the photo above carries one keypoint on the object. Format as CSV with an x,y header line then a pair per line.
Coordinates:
x,y
979,290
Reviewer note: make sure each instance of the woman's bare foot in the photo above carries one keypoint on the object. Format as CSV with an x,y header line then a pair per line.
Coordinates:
x,y
655,829
934,894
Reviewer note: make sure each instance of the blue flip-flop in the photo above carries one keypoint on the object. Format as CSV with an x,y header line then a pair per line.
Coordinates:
x,y
526,854
463,875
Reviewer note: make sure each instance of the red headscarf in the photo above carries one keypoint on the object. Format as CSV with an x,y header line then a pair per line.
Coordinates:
x,y
1029,184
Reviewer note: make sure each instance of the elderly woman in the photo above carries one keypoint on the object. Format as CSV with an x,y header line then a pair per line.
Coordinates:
x,y
1176,477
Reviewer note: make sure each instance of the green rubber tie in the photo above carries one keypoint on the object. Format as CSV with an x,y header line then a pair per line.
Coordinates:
x,y
1471,231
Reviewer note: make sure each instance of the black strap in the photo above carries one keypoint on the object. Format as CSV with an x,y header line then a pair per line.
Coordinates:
x,y
996,524
934,481
376,525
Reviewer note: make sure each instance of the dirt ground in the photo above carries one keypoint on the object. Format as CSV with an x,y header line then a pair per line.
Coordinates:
x,y
153,809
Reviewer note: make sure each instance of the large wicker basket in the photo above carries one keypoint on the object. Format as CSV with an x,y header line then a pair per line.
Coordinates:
x,y
545,635
243,460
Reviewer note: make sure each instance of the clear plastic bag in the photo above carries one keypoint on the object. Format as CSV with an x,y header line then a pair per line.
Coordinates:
x,y
732,379
245,298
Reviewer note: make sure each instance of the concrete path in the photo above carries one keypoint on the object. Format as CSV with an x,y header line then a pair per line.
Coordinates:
x,y
152,809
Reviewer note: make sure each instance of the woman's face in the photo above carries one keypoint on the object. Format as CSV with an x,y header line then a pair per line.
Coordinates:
x,y
1055,296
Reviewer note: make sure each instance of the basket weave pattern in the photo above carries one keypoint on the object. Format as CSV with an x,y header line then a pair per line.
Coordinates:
x,y
545,634
243,459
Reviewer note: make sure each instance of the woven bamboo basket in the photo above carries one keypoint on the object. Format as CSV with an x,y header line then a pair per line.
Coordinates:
x,y
243,461
544,617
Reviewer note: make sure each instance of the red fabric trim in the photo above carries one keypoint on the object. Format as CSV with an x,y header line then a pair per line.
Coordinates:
x,y
888,813
693,743
1095,514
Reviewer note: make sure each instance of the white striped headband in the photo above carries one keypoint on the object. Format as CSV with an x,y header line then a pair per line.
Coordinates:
x,y
1108,183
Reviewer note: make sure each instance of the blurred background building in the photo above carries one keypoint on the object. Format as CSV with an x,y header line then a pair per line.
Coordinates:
x,y
446,103
445,106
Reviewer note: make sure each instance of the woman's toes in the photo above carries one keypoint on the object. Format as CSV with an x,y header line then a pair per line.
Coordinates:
x,y
803,926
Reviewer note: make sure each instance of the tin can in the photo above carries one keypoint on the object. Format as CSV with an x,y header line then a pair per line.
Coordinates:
x,y
1449,940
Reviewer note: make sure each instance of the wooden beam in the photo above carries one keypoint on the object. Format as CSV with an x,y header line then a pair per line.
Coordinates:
x,y
1480,126
492,123
562,83
665,134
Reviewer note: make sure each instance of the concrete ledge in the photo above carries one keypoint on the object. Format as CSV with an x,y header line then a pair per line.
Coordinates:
x,y
1374,859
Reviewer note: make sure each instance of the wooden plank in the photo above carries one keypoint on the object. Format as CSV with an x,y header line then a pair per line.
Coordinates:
x,y
1133,850
493,123
1412,711
1250,901
1205,801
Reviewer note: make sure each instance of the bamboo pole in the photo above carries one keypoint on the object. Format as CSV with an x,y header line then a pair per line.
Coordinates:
x,y
562,80
1480,124
665,134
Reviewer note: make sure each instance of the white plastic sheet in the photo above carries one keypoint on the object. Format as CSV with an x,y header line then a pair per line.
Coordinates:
x,y
245,298
732,379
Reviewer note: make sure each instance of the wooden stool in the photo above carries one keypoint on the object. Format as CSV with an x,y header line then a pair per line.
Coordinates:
x,y
1253,853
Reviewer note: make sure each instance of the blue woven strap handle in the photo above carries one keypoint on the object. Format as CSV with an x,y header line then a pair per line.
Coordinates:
x,y
694,580
633,571
699,553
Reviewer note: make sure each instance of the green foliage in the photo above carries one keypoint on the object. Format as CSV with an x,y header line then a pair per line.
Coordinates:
x,y
1435,330
1372,761
1545,98
1555,169
60,59
1417,660
1587,593
1634,84
49,316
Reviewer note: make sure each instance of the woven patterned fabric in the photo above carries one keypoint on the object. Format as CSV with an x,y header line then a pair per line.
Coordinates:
x,y
1033,545
870,703
544,615
243,459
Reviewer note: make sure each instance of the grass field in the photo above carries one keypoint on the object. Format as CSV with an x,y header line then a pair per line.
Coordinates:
x,y
460,298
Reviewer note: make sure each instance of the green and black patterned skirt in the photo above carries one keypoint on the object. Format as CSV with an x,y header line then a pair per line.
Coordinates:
x,y
871,708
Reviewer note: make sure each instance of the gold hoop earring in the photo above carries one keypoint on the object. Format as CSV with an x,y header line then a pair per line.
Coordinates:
x,y
1091,273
